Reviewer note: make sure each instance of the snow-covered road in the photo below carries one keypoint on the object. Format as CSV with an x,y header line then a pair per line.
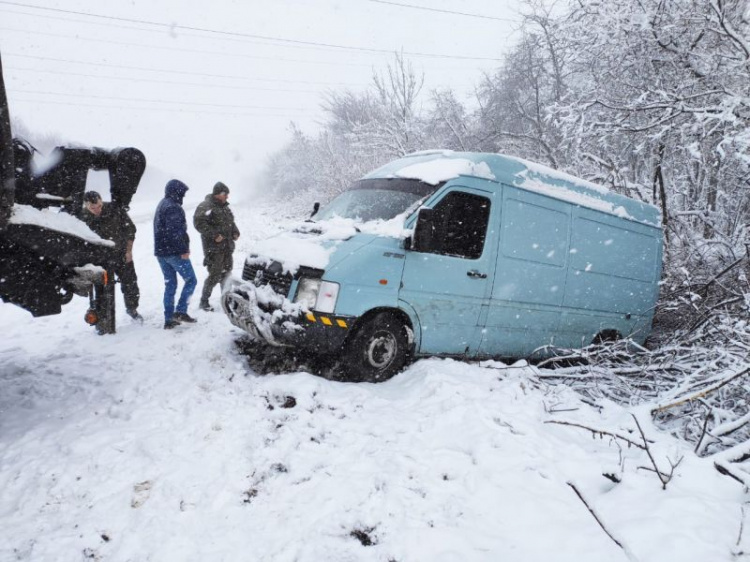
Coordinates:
x,y
154,445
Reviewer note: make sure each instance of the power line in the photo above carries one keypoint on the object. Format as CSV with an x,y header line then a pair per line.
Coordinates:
x,y
202,85
182,72
147,30
181,49
120,108
170,102
451,12
238,34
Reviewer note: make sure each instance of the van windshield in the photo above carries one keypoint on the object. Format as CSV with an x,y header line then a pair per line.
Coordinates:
x,y
373,199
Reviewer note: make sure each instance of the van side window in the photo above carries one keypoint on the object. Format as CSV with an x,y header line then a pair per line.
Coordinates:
x,y
461,225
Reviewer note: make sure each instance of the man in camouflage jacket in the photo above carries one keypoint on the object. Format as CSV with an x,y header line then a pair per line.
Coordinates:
x,y
214,220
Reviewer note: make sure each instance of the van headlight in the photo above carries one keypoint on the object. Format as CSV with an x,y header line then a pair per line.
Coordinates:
x,y
316,294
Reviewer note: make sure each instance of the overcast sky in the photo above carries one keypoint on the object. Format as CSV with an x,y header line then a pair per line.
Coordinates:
x,y
217,83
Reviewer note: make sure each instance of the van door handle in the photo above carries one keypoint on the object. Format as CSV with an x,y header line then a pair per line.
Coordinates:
x,y
474,274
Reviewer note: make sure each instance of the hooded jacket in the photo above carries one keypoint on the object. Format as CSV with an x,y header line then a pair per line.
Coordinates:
x,y
170,227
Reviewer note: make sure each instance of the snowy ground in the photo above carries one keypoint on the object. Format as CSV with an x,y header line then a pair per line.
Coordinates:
x,y
154,445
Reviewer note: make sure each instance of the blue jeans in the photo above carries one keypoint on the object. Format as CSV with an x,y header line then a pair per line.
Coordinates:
x,y
170,267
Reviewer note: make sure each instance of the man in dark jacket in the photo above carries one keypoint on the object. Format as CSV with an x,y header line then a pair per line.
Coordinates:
x,y
112,222
214,220
172,249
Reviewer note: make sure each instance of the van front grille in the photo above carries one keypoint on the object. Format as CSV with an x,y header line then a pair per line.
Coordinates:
x,y
259,275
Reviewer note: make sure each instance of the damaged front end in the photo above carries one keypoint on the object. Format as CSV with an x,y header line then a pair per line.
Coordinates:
x,y
286,309
261,312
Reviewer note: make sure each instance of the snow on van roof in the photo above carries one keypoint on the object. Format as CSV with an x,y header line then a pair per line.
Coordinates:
x,y
444,169
443,151
434,166
559,185
57,221
541,170
580,199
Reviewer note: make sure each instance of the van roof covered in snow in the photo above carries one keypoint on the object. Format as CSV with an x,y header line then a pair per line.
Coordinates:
x,y
435,166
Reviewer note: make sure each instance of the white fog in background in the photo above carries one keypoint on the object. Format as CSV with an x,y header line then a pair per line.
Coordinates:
x,y
217,84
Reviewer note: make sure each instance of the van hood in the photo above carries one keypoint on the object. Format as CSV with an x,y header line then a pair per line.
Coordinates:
x,y
321,244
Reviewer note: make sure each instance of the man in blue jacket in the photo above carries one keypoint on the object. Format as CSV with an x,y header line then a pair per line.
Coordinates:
x,y
172,249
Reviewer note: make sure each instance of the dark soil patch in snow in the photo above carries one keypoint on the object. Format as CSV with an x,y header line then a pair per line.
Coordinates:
x,y
266,359
279,467
364,536
289,402
250,495
280,402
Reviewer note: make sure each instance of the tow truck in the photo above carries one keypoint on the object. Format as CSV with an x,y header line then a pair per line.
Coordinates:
x,y
47,254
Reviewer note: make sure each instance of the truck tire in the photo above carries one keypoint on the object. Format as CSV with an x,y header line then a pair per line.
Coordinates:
x,y
377,351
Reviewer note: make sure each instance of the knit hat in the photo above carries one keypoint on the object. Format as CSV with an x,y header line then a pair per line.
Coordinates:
x,y
91,197
220,188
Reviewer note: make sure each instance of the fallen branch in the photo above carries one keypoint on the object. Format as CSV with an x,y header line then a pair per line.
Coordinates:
x,y
742,525
599,432
709,415
721,274
700,393
738,453
594,515
709,313
664,478
739,475
599,521
730,427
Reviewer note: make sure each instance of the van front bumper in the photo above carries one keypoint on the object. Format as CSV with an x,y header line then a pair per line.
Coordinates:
x,y
269,317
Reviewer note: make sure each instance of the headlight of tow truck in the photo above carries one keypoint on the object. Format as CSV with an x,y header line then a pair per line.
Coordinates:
x,y
316,294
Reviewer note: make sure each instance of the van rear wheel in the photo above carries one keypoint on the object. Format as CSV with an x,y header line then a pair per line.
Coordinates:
x,y
606,336
377,351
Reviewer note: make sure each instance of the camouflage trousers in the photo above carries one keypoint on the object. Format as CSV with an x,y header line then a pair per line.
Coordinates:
x,y
128,284
219,265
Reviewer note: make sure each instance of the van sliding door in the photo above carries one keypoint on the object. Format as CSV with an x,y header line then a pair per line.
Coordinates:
x,y
529,286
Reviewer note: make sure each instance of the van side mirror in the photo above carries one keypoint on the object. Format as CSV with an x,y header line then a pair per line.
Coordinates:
x,y
316,207
424,231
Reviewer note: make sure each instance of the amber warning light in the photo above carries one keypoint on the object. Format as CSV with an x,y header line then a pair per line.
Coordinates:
x,y
91,317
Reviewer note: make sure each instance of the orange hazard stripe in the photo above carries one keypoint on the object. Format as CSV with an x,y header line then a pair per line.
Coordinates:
x,y
326,321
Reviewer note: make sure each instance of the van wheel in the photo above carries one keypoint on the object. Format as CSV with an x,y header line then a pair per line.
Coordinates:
x,y
607,336
377,351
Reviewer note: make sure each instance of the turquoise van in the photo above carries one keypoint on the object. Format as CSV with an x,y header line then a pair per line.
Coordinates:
x,y
454,254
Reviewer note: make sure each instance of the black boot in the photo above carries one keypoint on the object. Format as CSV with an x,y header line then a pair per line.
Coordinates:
x,y
184,317
133,313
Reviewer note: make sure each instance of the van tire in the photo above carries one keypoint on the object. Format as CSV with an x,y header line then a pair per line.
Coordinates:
x,y
377,351
606,336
